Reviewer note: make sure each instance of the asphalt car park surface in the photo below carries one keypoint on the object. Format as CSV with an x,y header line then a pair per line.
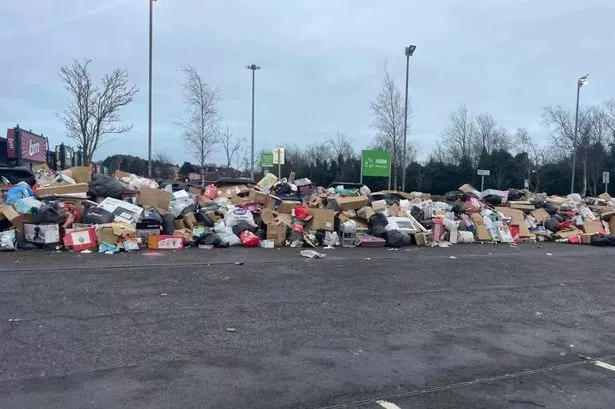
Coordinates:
x,y
470,326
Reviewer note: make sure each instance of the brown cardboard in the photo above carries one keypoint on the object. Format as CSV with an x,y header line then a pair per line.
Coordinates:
x,y
586,238
322,219
205,202
180,225
365,212
228,191
556,200
111,232
525,206
186,234
81,174
612,224
156,198
350,202
190,220
10,214
379,205
540,215
277,226
120,174
605,196
60,190
40,166
424,238
592,227
481,232
287,206
314,201
518,219
564,234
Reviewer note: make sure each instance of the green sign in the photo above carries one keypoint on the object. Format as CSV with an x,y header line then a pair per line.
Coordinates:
x,y
267,159
104,170
376,163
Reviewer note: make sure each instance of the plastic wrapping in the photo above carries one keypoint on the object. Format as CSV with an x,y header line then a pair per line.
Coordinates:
x,y
8,240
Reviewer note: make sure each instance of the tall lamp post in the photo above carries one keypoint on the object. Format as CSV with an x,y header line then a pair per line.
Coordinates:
x,y
149,117
409,51
580,82
252,67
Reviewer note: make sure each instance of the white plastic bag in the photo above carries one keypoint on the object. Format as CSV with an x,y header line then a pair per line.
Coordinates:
x,y
180,200
237,215
227,236
8,240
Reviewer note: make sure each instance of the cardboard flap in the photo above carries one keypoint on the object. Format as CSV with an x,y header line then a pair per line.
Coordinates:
x,y
156,198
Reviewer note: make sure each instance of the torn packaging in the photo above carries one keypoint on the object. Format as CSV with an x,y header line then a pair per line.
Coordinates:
x,y
77,189
518,219
322,219
112,232
156,198
277,226
350,202
15,219
481,234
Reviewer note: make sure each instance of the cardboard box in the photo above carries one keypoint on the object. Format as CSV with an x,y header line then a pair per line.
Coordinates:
x,y
314,201
81,174
277,226
287,206
40,166
586,238
186,234
365,212
379,205
123,211
112,232
42,233
156,198
527,207
564,234
79,189
322,219
190,220
540,215
481,233
81,239
592,227
518,219
14,218
424,238
228,191
165,242
179,224
196,190
120,174
351,202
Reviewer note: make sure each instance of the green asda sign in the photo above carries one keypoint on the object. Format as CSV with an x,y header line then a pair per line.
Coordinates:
x,y
376,163
267,159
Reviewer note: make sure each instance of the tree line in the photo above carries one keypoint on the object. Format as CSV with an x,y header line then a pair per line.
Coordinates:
x,y
468,141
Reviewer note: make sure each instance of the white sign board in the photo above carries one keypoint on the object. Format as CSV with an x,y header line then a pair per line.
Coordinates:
x,y
278,156
483,172
606,177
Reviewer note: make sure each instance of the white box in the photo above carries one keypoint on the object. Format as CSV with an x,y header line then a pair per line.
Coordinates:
x,y
123,211
42,233
403,224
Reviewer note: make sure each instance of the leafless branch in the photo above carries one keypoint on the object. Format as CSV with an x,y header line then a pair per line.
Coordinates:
x,y
93,113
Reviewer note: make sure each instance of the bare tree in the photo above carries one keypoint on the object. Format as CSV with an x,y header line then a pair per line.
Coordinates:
x,y
232,146
388,121
458,135
341,146
93,112
162,157
488,137
591,130
200,123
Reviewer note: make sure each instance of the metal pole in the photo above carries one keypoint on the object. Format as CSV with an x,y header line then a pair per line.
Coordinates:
x,y
403,174
252,138
149,125
574,140
361,180
482,183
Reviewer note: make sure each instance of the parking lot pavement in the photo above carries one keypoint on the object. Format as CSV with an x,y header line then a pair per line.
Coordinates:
x,y
463,327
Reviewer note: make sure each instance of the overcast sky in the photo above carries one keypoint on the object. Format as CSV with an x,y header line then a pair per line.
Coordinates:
x,y
321,62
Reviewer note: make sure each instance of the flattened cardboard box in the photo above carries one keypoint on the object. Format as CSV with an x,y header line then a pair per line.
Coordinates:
x,y
481,232
351,202
322,219
111,232
592,227
228,191
16,220
518,219
81,174
156,198
61,190
540,215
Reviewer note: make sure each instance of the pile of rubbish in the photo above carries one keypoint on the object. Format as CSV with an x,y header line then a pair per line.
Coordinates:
x,y
76,211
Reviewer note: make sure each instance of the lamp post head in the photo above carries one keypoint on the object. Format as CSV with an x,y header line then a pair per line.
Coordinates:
x,y
253,67
410,50
583,80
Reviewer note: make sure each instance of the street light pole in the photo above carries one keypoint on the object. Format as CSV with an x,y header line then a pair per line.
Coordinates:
x,y
252,67
149,118
580,82
409,51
